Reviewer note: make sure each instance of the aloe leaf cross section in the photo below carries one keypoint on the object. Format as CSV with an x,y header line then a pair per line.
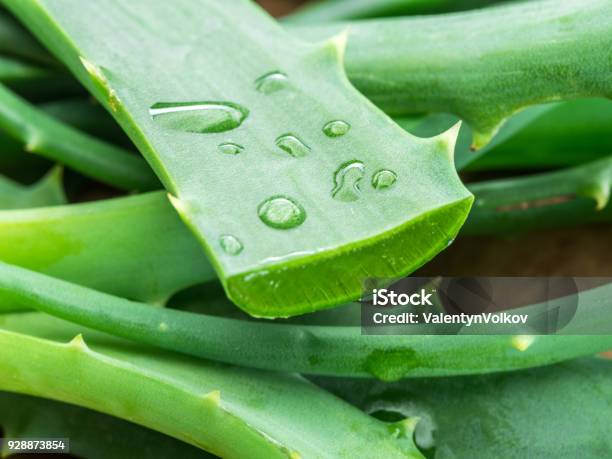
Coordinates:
x,y
297,187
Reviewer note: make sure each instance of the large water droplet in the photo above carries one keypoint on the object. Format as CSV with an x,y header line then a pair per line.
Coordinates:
x,y
199,117
281,212
271,82
336,128
384,179
292,145
346,181
230,244
230,148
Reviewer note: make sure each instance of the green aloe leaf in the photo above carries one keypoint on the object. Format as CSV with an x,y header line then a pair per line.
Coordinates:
x,y
17,42
36,83
48,137
13,71
433,124
558,411
327,350
127,244
536,52
319,11
92,435
580,194
88,116
231,412
48,191
295,184
570,134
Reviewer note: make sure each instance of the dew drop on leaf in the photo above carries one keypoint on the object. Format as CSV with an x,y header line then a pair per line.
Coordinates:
x,y
281,212
230,244
383,179
271,82
336,128
346,181
292,145
199,117
230,148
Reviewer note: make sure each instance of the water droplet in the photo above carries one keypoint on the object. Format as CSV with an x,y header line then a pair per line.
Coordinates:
x,y
346,180
230,148
271,82
336,128
292,145
281,212
383,179
230,244
199,117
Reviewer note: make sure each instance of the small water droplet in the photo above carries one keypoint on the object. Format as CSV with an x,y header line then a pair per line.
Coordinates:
x,y
230,244
346,180
199,117
281,212
384,179
336,128
271,82
292,145
230,148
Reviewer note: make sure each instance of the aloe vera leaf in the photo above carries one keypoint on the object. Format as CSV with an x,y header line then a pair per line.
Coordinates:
x,y
570,196
52,139
36,83
127,245
15,41
268,216
92,435
12,70
87,116
538,51
231,412
327,350
48,191
436,123
573,133
337,10
557,411
79,113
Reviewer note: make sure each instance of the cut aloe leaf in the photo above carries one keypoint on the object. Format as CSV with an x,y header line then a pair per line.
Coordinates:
x,y
294,216
92,435
538,51
128,244
576,195
557,411
337,10
41,134
326,350
48,191
231,412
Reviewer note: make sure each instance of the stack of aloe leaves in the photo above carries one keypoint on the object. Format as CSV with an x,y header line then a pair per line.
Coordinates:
x,y
174,175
